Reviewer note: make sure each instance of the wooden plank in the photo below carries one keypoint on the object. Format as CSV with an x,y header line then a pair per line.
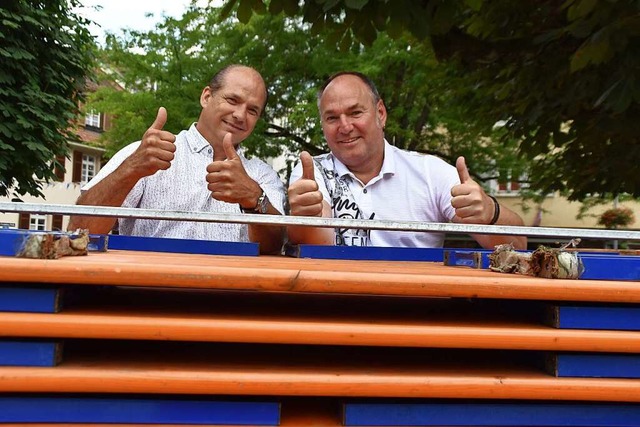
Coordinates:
x,y
69,409
307,371
184,246
29,353
586,365
32,299
306,275
479,332
440,413
621,317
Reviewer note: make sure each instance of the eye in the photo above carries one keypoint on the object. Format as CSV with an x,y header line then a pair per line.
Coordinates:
x,y
356,113
231,100
330,119
254,112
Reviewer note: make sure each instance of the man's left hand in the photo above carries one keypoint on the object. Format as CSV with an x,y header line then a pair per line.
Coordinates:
x,y
228,181
471,203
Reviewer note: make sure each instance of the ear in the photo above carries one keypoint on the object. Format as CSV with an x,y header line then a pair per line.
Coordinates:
x,y
205,96
381,112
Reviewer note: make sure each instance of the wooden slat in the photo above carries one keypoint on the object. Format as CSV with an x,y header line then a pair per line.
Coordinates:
x,y
316,276
327,330
329,380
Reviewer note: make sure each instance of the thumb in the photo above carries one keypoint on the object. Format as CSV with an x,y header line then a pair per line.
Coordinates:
x,y
463,172
229,149
161,119
307,165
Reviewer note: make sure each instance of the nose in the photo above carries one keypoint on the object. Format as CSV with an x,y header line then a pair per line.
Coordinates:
x,y
239,113
345,124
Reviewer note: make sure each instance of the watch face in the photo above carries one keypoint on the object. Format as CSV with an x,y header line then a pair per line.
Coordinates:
x,y
263,203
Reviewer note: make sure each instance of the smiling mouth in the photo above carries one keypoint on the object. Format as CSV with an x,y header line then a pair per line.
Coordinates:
x,y
348,141
231,125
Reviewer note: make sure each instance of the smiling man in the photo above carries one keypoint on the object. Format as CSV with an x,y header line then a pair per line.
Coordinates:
x,y
364,177
200,169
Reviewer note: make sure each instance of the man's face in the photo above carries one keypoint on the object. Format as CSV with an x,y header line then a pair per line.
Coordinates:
x,y
234,108
353,124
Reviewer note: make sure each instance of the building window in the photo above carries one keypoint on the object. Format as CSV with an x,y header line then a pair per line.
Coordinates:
x,y
88,168
92,119
38,222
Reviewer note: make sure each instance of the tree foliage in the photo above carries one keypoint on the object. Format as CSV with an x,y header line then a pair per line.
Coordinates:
x,y
170,65
45,56
563,76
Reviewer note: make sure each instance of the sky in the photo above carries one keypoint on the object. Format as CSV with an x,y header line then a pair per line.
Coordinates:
x,y
115,15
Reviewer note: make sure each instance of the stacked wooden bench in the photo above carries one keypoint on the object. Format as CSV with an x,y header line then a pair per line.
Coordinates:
x,y
135,337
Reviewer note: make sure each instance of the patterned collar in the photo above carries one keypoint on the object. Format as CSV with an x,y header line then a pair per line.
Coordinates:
x,y
197,142
388,164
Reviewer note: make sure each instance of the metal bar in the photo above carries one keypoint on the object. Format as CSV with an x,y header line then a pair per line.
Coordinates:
x,y
365,224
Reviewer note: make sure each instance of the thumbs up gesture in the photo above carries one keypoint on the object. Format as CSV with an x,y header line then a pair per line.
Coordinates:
x,y
155,151
227,179
471,203
305,199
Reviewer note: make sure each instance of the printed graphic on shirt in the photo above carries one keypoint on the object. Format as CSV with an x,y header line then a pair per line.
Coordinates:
x,y
343,205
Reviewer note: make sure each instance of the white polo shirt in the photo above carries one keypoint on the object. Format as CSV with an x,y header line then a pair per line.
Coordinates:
x,y
410,187
183,187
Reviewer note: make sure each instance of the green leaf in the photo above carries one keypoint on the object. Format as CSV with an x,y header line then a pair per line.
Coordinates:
x,y
227,8
356,4
581,9
474,5
245,11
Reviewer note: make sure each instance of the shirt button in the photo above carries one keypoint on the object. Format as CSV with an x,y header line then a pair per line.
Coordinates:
x,y
209,151
364,191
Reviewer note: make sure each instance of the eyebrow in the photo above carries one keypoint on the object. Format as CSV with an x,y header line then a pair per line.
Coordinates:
x,y
349,108
243,99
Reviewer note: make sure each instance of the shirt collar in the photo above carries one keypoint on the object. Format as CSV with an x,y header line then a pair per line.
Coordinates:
x,y
388,164
197,142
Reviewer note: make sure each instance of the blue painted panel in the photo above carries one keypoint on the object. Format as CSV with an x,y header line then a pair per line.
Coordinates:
x,y
492,414
367,253
29,353
30,299
598,317
183,246
160,410
610,267
594,365
11,241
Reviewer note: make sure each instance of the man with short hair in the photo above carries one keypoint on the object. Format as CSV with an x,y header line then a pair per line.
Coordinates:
x,y
364,177
200,169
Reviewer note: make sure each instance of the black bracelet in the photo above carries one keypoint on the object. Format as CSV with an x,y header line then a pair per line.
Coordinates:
x,y
496,213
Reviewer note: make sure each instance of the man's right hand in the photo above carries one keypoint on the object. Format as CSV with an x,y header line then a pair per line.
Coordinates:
x,y
155,151
305,199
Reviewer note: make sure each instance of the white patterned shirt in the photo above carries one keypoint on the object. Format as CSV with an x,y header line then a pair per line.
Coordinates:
x,y
183,187
410,187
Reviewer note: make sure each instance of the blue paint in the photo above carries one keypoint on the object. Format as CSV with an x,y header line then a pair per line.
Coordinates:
x,y
183,246
28,353
159,410
11,241
610,267
367,253
30,299
446,413
597,365
598,317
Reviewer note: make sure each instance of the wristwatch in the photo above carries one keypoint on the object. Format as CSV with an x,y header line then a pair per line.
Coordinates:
x,y
261,206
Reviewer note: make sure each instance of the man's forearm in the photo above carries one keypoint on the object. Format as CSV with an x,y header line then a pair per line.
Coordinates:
x,y
507,217
111,191
270,237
